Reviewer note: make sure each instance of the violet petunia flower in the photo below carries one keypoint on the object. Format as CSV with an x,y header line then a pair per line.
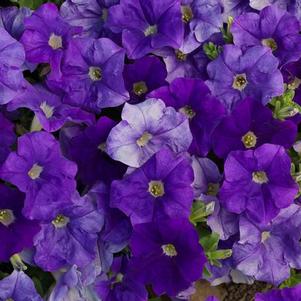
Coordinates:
x,y
273,28
140,134
18,287
143,76
167,255
91,15
285,294
258,182
236,74
15,230
12,59
193,99
233,8
70,237
46,36
160,187
268,252
39,169
92,74
147,26
88,150
49,108
250,125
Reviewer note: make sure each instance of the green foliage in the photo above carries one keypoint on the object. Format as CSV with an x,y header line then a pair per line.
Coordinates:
x,y
34,4
212,50
200,211
293,280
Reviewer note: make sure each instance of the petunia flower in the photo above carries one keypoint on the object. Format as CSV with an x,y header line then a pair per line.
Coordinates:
x,y
147,26
236,74
268,252
250,125
273,28
70,237
160,187
140,134
167,255
39,169
258,182
19,287
285,294
193,99
233,8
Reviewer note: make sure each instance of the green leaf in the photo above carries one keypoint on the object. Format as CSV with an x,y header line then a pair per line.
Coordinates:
x,y
209,242
211,50
292,281
33,4
200,211
219,254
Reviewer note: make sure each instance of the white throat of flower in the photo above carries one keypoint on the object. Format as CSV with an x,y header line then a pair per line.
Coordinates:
x,y
169,250
55,42
35,171
6,217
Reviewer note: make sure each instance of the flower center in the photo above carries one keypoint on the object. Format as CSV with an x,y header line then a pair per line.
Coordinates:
x,y
9,299
169,250
151,30
188,112
294,84
156,188
271,43
213,189
265,236
259,177
60,221
55,42
95,73
187,13
144,139
249,140
6,217
102,147
181,56
240,82
35,172
140,88
104,14
47,110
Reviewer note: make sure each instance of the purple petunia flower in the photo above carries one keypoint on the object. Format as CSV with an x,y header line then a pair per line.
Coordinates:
x,y
12,19
92,74
268,252
273,28
15,230
70,237
236,74
193,99
49,109
167,255
143,76
46,36
233,8
88,150
19,287
39,170
12,58
161,187
285,294
91,15
147,26
139,135
250,125
258,182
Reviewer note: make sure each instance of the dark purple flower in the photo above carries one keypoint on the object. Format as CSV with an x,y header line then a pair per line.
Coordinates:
x,y
212,298
88,150
236,74
285,294
167,255
50,111
161,187
46,36
250,125
15,230
147,25
39,169
12,19
92,74
258,182
192,98
143,76
69,238
12,58
91,15
273,28
268,252
140,134
19,287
